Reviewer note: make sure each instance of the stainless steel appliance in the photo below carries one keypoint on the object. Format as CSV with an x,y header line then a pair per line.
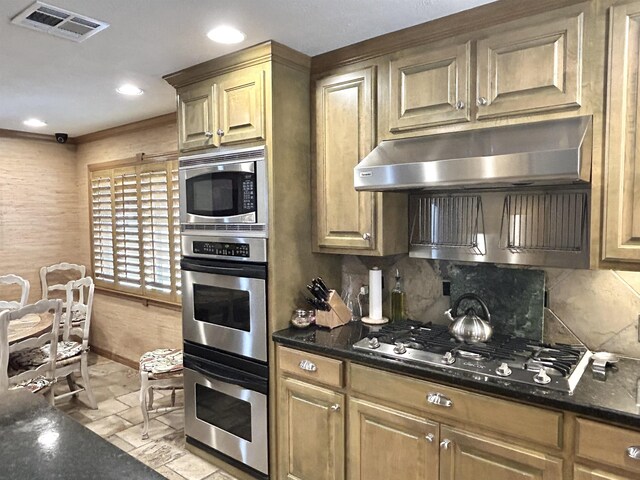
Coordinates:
x,y
515,195
504,358
226,406
224,317
224,193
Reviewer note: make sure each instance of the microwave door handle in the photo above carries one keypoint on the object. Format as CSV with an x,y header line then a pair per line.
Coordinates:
x,y
248,384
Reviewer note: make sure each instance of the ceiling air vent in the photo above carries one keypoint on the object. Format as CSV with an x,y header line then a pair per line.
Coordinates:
x,y
59,22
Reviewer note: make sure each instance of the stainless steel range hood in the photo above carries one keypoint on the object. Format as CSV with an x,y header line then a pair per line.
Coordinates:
x,y
543,153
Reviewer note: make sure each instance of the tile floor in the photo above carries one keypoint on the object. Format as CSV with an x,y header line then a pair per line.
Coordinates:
x,y
118,419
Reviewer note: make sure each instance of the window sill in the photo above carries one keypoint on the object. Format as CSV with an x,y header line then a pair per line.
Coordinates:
x,y
146,301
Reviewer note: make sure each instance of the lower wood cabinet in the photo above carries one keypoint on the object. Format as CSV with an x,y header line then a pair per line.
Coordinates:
x,y
581,472
310,432
389,433
467,456
384,443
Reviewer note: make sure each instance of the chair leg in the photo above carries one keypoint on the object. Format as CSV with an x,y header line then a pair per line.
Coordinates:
x,y
173,397
144,388
150,404
73,386
84,371
51,395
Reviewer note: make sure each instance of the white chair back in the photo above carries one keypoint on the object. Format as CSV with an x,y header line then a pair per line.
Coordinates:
x,y
58,268
51,338
11,279
79,310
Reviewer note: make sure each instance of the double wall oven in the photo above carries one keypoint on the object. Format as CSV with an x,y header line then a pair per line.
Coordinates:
x,y
223,214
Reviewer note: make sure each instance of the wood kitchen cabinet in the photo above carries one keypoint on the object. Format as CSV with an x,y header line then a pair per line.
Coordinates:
x,y
467,456
621,230
582,472
346,221
222,110
429,86
386,443
535,68
311,430
526,67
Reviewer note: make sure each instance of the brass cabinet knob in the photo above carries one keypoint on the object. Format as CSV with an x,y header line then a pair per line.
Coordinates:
x,y
220,132
460,105
445,444
482,101
208,134
335,408
366,236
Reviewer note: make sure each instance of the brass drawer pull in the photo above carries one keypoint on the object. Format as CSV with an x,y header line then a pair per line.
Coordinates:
x,y
440,400
308,366
633,452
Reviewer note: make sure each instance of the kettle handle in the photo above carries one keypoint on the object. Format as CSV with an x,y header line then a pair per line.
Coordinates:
x,y
471,296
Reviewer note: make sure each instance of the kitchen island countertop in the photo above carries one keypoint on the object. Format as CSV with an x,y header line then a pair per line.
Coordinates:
x,y
612,399
39,441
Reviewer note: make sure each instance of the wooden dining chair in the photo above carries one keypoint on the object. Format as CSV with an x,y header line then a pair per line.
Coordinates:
x,y
42,377
73,349
59,290
11,279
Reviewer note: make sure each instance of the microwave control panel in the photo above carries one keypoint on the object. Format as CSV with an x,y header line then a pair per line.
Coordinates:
x,y
248,194
222,249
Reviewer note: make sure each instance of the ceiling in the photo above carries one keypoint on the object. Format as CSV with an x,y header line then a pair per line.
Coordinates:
x,y
71,86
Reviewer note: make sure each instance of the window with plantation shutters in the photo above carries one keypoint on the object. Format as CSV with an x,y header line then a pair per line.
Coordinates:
x,y
136,227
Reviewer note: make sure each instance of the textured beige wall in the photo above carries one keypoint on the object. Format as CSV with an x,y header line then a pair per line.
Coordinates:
x,y
123,327
39,209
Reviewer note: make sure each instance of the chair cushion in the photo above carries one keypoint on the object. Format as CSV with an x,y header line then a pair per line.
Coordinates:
x,y
161,361
34,385
39,356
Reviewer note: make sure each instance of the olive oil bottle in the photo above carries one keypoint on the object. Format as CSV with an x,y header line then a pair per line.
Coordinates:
x,y
397,300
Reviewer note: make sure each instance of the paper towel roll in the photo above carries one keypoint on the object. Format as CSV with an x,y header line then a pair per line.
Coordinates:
x,y
375,293
375,298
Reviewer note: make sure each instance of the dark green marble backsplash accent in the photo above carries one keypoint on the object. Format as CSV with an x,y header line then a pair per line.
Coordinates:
x,y
515,297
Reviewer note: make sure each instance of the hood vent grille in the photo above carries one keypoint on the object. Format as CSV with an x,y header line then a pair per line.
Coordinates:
x,y
58,22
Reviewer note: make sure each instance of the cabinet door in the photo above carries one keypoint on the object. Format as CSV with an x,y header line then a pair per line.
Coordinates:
x,y
310,432
466,456
622,197
532,69
241,105
344,135
385,443
430,87
581,472
197,116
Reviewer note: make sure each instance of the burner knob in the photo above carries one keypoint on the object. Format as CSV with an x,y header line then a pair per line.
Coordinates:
x,y
503,370
448,358
541,377
400,348
374,342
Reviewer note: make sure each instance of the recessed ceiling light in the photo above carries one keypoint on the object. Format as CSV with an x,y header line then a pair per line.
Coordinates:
x,y
226,34
128,89
34,122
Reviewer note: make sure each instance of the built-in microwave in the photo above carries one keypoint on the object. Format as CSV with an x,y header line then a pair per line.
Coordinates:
x,y
224,193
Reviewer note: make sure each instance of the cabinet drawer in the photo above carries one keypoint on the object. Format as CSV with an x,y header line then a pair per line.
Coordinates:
x,y
311,367
520,421
606,444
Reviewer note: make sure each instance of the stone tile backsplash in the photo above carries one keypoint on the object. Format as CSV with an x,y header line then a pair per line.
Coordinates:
x,y
599,308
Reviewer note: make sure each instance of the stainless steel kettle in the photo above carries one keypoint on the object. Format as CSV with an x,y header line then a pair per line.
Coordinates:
x,y
470,328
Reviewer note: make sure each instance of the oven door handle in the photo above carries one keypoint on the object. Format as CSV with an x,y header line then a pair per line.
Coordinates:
x,y
217,267
241,382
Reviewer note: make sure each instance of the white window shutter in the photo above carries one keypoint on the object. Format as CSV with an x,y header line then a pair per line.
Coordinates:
x,y
102,227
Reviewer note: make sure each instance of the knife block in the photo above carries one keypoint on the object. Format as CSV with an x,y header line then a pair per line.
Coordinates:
x,y
339,314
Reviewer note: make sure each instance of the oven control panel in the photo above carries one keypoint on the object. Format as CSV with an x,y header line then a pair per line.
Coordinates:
x,y
223,249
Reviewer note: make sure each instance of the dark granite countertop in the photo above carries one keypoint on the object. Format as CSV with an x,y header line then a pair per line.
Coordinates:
x,y
38,441
612,399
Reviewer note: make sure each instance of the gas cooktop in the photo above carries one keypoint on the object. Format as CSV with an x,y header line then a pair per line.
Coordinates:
x,y
514,359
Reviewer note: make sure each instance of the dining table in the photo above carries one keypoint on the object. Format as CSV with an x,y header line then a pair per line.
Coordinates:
x,y
31,325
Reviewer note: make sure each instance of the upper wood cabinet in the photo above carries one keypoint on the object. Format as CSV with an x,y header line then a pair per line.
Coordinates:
x,y
197,116
533,69
222,110
241,105
621,232
347,221
429,87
